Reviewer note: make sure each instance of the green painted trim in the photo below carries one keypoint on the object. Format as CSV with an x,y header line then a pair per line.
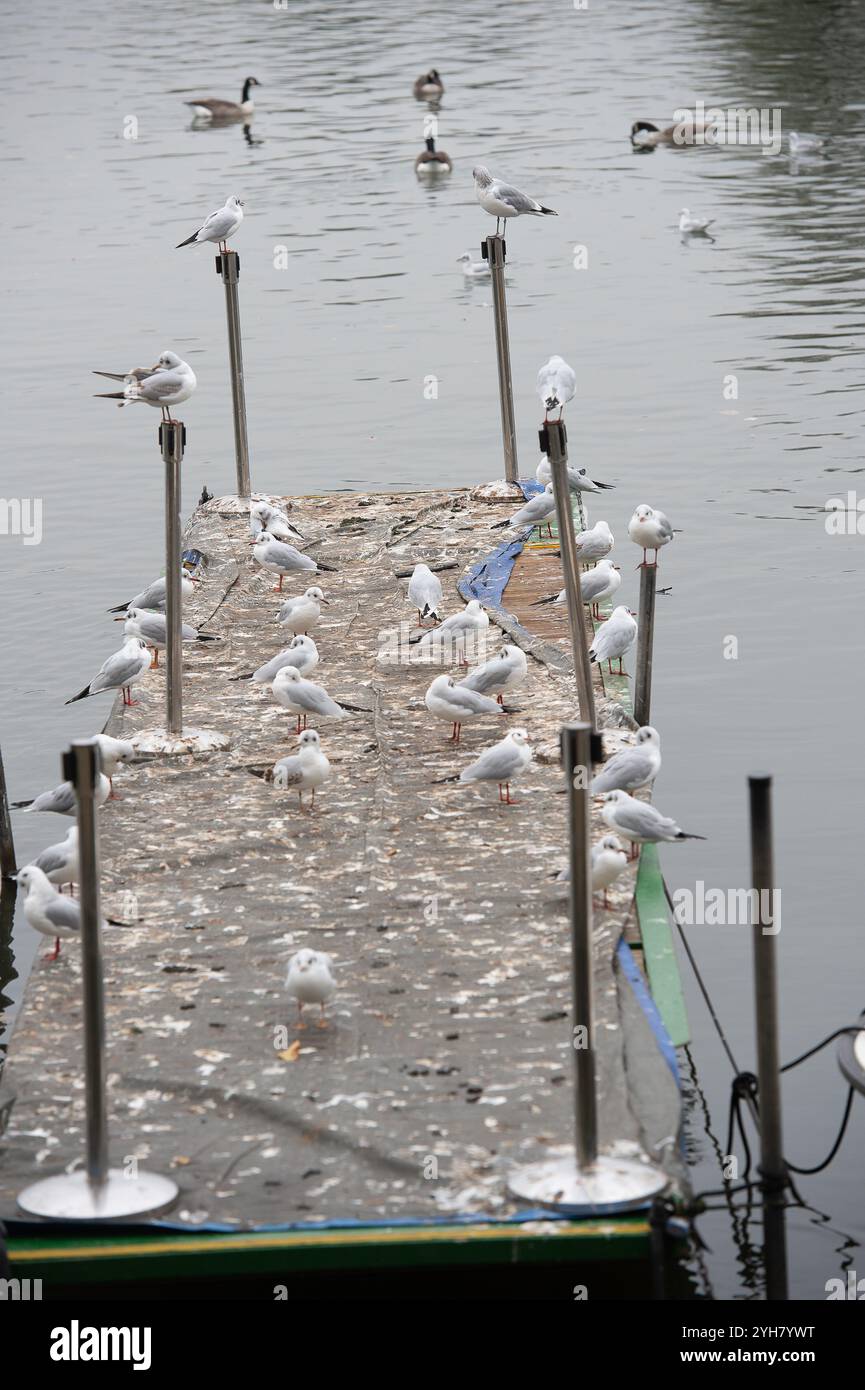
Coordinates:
x,y
154,1256
659,951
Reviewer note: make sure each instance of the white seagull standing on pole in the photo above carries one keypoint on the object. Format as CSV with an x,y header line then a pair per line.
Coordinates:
x,y
557,384
502,200
219,226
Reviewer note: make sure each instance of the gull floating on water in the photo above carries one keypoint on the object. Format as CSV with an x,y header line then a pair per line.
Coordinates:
x,y
614,639
59,863
473,270
219,226
633,767
557,384
502,200
310,980
425,592
640,822
801,142
692,225
45,910
502,763
303,697
578,478
119,672
154,595
216,109
62,799
304,770
502,672
171,382
534,511
650,529
300,614
458,705
283,559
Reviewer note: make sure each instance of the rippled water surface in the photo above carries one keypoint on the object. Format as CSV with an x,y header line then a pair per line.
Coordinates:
x,y
371,303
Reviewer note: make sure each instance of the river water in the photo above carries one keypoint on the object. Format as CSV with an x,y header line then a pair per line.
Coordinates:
x,y
721,380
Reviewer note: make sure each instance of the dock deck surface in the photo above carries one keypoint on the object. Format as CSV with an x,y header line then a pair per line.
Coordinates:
x,y
446,1061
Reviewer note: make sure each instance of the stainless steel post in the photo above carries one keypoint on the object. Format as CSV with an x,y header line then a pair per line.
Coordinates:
x,y
172,437
773,1169
577,764
495,256
228,268
645,644
7,844
84,765
557,443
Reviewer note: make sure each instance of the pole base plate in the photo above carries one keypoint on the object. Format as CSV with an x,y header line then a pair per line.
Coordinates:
x,y
189,741
610,1185
70,1196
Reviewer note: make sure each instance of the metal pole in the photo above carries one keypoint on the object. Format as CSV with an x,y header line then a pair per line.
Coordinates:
x,y
172,438
645,644
228,268
7,844
577,763
493,250
773,1169
81,766
554,442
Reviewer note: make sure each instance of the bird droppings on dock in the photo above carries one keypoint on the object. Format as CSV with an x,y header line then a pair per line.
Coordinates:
x,y
448,1031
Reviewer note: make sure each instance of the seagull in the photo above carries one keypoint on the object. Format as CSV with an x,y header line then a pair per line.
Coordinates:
x,y
263,517
310,980
608,862
283,559
533,512
596,584
59,863
425,592
502,672
303,697
113,752
691,225
633,767
640,822
649,529
473,270
617,636
152,628
215,109
502,200
119,672
447,700
171,382
557,384
45,910
802,143
429,86
300,614
431,160
578,478
456,629
595,543
502,764
154,595
219,226
304,770
301,653
62,799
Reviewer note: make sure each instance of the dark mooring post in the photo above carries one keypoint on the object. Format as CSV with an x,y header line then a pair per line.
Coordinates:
x,y
7,844
172,440
554,443
228,268
645,644
493,250
773,1169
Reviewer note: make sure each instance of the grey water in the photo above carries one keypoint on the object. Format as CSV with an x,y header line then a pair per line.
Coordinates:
x,y
721,379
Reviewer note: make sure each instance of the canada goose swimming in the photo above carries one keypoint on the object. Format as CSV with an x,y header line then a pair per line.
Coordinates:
x,y
431,160
645,136
215,109
429,86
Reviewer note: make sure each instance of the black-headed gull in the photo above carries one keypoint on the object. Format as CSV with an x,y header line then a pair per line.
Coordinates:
x,y
633,767
608,862
649,529
119,672
219,226
692,225
614,639
457,705
154,595
310,980
456,629
802,142
59,863
152,628
557,384
300,614
473,270
264,517
596,584
304,770
501,200
535,511
578,478
425,592
282,559
502,763
303,697
301,653
171,382
508,668
62,800
594,543
46,910
640,822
